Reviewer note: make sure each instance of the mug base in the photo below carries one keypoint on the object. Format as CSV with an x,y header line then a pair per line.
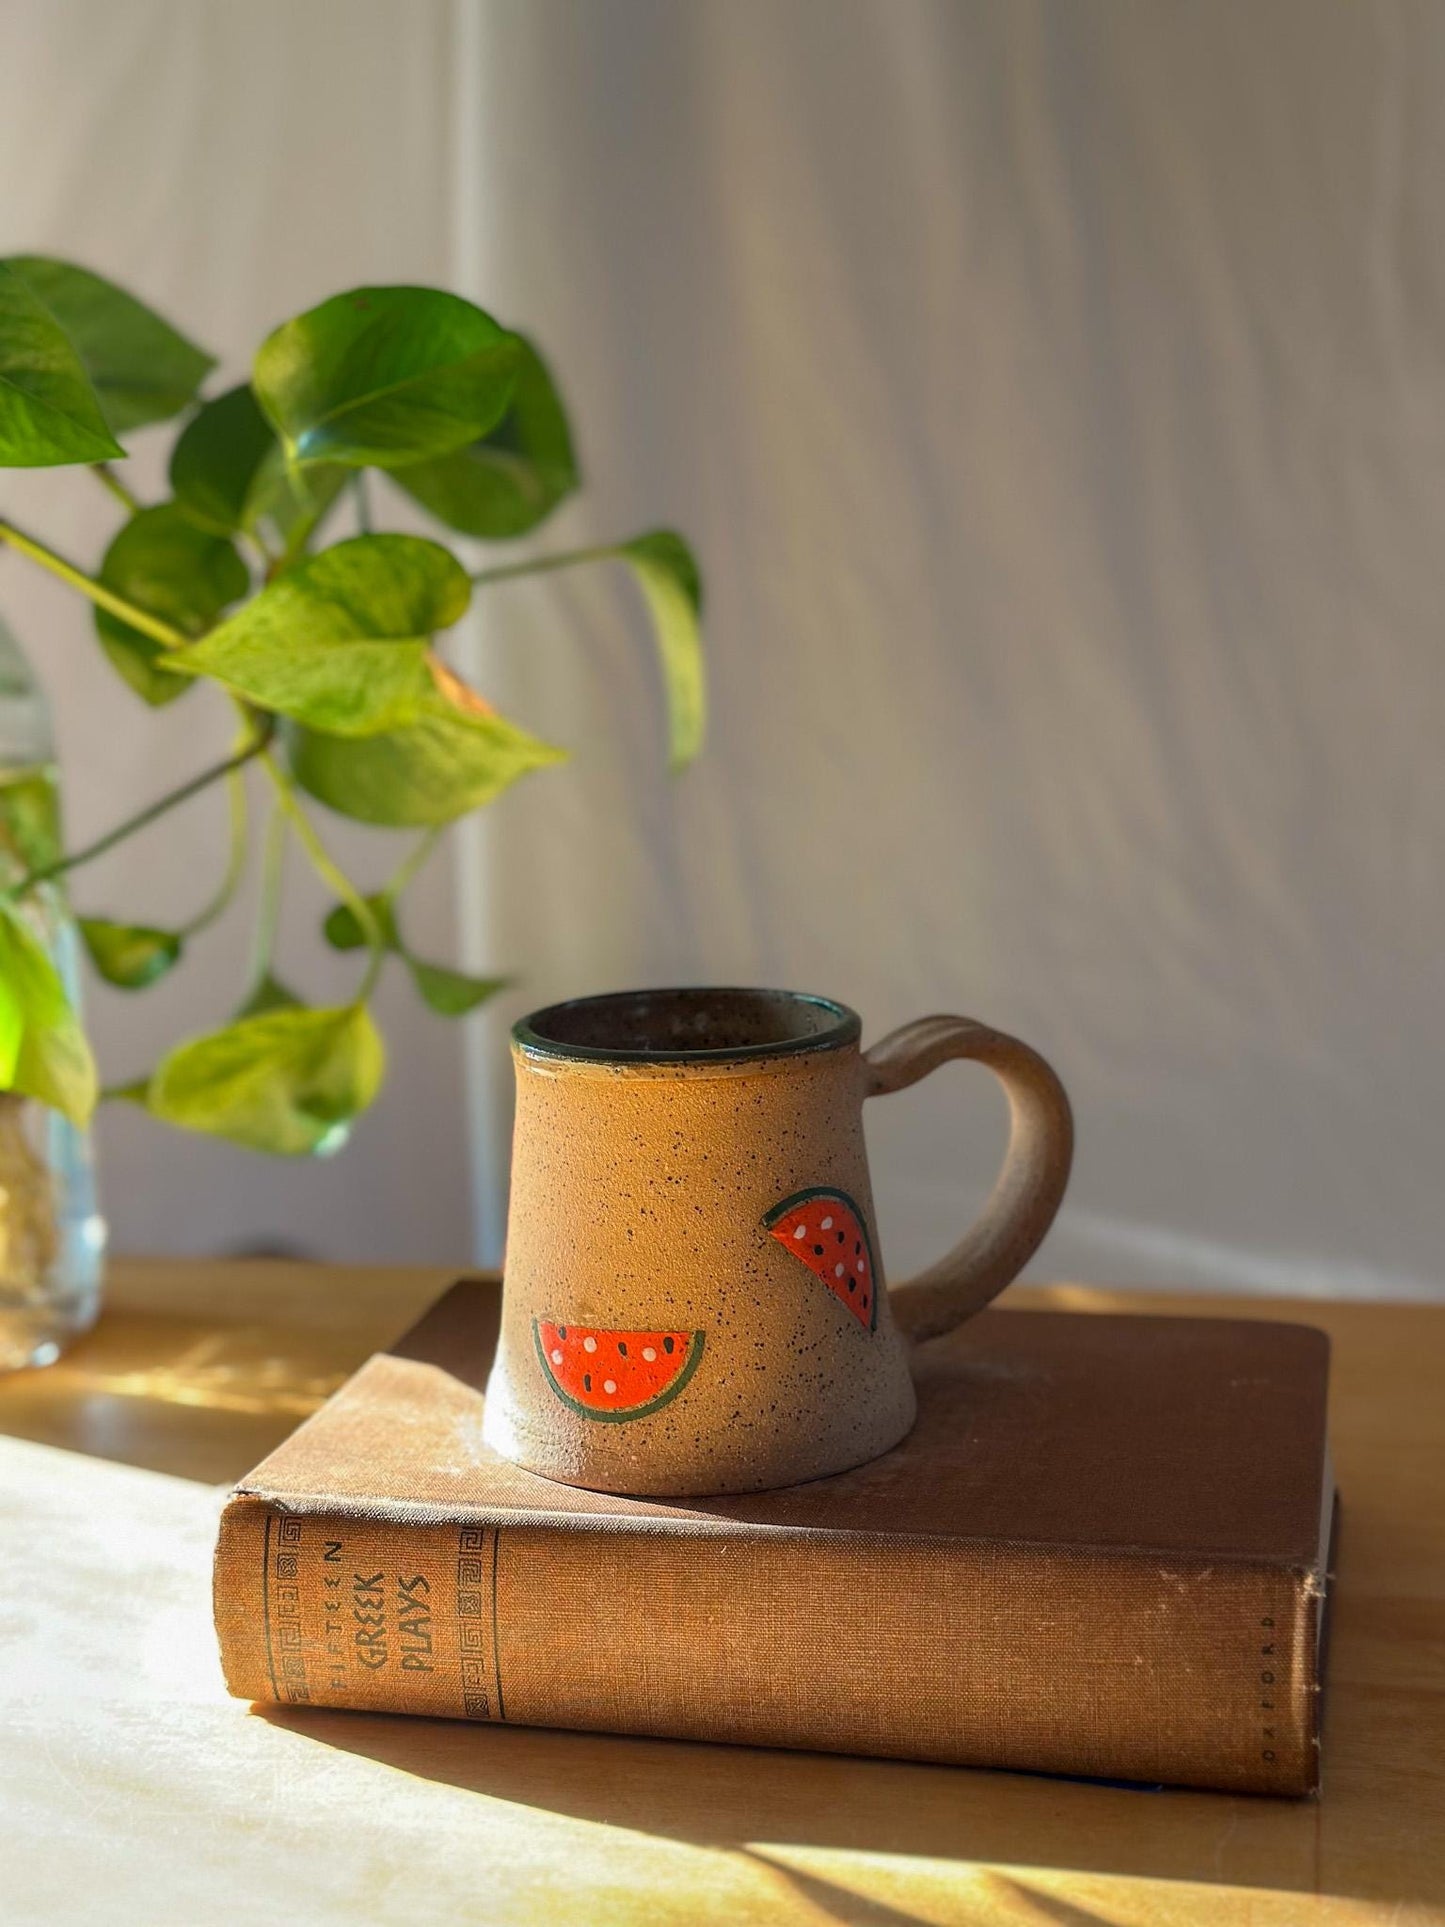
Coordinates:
x,y
563,1460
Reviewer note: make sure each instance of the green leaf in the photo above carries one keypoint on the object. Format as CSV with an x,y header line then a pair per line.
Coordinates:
x,y
287,1081
215,461
29,791
131,956
340,641
142,370
269,994
29,817
168,566
385,375
49,412
668,576
45,1048
457,755
452,993
12,1030
510,480
342,928
229,472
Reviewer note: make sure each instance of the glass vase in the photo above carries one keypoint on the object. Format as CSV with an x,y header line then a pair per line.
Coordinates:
x,y
52,1237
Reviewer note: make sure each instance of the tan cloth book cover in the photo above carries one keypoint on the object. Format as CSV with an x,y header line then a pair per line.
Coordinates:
x,y
1102,1551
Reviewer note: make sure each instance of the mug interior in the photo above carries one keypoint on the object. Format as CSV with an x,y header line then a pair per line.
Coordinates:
x,y
687,1025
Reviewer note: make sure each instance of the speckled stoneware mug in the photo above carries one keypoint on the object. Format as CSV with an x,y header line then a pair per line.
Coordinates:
x,y
694,1301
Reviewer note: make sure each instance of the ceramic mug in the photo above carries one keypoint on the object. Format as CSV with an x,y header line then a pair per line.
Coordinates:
x,y
694,1302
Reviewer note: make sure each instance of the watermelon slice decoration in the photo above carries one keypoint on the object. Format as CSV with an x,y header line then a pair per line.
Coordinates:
x,y
615,1375
825,1230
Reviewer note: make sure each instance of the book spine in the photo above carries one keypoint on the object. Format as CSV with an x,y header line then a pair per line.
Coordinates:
x,y
1111,1665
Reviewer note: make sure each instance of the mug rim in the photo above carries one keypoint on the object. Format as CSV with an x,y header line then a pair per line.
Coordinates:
x,y
845,1029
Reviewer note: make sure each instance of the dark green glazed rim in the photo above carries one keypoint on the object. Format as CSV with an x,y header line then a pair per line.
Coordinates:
x,y
690,1024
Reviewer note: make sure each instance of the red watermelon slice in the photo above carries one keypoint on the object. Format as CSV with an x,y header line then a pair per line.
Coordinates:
x,y
825,1230
615,1375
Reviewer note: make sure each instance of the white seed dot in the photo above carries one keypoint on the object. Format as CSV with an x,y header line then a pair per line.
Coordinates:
x,y
557,1356
862,1264
589,1344
801,1232
609,1384
837,1271
827,1224
649,1353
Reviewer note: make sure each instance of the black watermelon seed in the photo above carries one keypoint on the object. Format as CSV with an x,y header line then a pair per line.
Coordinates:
x,y
622,1346
561,1331
817,1251
842,1237
669,1344
858,1248
852,1284
587,1381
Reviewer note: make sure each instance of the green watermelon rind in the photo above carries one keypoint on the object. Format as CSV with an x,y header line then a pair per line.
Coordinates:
x,y
694,1353
780,1211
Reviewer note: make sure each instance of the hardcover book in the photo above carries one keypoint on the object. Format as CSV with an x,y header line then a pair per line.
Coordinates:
x,y
1102,1551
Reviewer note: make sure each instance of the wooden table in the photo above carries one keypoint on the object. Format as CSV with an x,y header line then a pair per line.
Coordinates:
x,y
133,1793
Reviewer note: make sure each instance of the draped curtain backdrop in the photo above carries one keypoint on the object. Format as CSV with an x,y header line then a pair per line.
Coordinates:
x,y
1055,396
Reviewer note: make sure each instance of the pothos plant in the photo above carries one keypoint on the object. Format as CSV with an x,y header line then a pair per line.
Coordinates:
x,y
325,647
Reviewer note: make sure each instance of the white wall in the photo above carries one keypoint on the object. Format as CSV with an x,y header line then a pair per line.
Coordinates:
x,y
1056,396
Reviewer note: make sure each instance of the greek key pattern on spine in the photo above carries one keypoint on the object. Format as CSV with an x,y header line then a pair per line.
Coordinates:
x,y
477,1554
285,1613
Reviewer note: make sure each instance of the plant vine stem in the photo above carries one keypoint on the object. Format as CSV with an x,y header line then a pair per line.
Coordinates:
x,y
161,807
295,546
235,857
108,479
104,598
542,564
329,871
263,555
412,862
302,531
268,911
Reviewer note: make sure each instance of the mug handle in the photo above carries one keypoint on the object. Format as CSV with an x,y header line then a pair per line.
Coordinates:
x,y
1029,1189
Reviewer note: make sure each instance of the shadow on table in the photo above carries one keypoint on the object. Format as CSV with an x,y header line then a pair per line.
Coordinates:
x,y
755,1800
191,1399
